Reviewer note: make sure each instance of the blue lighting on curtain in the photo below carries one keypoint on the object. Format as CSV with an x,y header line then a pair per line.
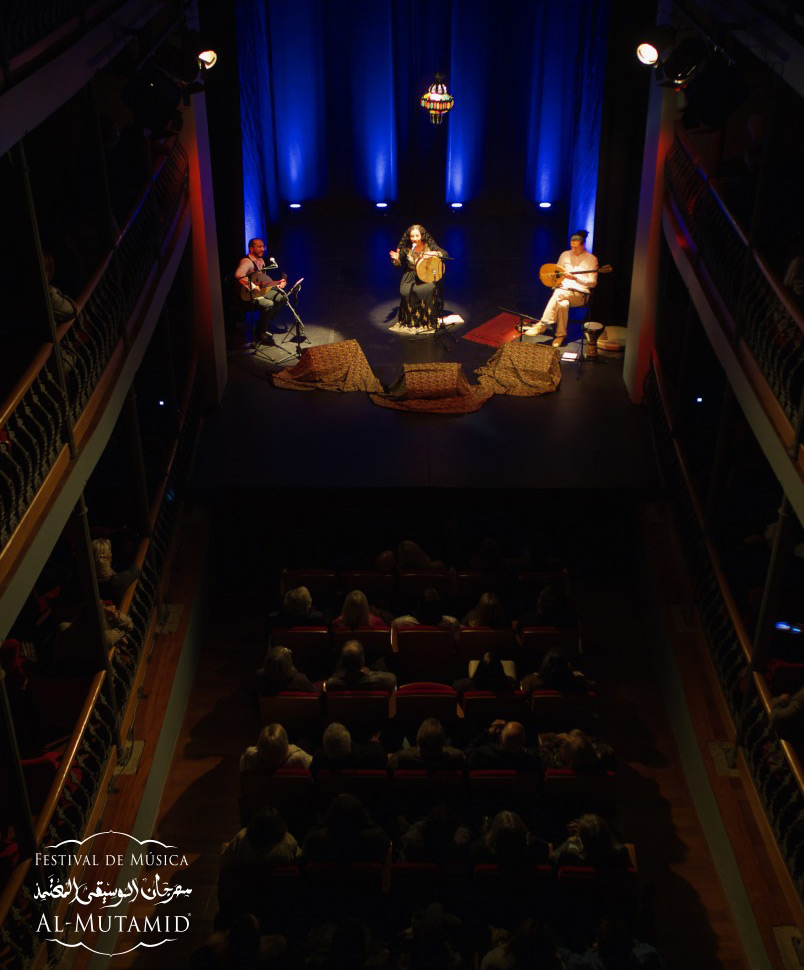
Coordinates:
x,y
370,67
468,83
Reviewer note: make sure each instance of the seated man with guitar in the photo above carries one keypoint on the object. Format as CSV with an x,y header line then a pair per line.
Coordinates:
x,y
573,277
258,288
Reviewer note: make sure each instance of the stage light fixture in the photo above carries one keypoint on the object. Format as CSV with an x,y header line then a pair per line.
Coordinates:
x,y
437,100
456,205
295,205
207,60
545,205
381,205
655,42
682,63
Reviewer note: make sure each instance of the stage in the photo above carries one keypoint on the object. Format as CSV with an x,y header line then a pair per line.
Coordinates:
x,y
262,436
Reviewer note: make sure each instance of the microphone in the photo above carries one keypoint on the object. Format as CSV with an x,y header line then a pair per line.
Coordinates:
x,y
272,264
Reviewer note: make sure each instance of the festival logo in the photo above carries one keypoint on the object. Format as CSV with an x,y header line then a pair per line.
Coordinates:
x,y
111,893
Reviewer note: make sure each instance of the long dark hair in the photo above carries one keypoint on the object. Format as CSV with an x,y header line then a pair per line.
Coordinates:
x,y
427,239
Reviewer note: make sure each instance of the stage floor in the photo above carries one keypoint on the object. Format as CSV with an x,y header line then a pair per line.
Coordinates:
x,y
585,434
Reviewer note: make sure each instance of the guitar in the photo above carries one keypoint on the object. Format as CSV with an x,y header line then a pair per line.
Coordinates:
x,y
259,285
551,274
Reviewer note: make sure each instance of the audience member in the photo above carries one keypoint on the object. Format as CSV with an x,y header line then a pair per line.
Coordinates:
x,y
615,949
591,843
411,558
297,610
264,842
787,716
355,614
488,612
346,834
428,613
507,842
575,750
353,674
439,837
339,750
273,752
556,673
552,609
64,307
112,584
242,946
489,674
530,947
431,751
279,674
502,748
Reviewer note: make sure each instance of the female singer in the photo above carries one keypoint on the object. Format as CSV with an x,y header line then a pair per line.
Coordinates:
x,y
417,307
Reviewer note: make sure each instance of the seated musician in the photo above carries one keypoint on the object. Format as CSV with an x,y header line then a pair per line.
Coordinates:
x,y
260,290
580,268
417,306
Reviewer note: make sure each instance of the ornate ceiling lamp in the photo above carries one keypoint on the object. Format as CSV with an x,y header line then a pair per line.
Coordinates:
x,y
437,100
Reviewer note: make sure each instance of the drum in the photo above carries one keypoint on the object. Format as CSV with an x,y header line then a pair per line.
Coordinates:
x,y
592,331
429,269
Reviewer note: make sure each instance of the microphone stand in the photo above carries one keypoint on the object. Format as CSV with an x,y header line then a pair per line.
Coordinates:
x,y
296,334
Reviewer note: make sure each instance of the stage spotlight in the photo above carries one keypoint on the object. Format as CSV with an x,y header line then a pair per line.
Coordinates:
x,y
655,42
295,205
545,205
680,66
381,205
456,205
207,60
699,400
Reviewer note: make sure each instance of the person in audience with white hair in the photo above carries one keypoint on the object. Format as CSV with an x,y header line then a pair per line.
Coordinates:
x,y
339,750
273,751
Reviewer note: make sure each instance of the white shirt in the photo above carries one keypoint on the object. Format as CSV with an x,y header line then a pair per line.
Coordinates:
x,y
576,264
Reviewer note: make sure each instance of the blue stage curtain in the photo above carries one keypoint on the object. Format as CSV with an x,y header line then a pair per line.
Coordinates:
x,y
329,99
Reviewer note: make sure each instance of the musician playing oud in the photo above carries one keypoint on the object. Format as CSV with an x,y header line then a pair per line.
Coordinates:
x,y
581,269
259,288
417,306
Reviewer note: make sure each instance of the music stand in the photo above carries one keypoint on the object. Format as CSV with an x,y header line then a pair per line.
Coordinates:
x,y
296,332
522,318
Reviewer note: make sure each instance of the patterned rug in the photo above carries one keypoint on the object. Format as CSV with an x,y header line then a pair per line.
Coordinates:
x,y
330,367
524,370
440,388
495,332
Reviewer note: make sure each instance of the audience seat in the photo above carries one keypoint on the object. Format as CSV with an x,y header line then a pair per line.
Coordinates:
x,y
474,642
376,643
372,787
481,707
273,895
412,584
322,583
586,895
358,708
529,584
492,791
504,897
289,790
311,648
372,582
418,701
537,640
416,792
299,712
424,653
553,710
471,584
571,793
415,883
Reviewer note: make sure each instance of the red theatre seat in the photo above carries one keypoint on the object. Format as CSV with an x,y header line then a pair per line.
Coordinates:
x,y
311,648
358,708
417,701
424,653
299,712
474,642
322,583
289,790
481,707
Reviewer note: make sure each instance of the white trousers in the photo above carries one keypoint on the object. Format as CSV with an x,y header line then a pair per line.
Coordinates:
x,y
557,309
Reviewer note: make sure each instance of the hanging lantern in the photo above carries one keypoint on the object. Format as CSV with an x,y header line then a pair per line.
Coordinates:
x,y
438,101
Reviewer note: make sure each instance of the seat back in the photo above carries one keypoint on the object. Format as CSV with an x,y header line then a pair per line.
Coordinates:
x,y
474,642
322,583
492,791
358,708
375,584
470,584
553,710
417,701
375,643
311,648
419,791
300,713
571,793
537,640
481,707
289,790
424,653
412,584
372,787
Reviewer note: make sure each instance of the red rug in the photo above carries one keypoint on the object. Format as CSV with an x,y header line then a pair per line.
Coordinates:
x,y
495,332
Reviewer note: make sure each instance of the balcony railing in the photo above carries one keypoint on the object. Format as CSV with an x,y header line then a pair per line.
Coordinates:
x,y
34,421
762,310
774,767
76,797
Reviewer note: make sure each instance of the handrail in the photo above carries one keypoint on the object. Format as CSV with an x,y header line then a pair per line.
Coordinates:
x,y
713,184
70,752
740,631
790,753
33,370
